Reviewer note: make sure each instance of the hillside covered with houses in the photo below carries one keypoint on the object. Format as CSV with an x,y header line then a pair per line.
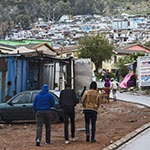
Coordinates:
x,y
46,51
121,30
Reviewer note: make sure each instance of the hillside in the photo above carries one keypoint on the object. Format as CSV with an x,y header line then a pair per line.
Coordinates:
x,y
25,12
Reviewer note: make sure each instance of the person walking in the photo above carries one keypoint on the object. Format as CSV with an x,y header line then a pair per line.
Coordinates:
x,y
42,104
107,83
103,75
90,102
107,86
113,86
68,101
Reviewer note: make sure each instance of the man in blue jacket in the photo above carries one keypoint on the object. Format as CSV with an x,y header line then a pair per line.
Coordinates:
x,y
41,108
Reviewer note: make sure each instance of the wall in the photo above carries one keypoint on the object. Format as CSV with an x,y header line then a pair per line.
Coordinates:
x,y
83,73
13,79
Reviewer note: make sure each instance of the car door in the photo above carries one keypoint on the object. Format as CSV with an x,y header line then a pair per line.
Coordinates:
x,y
17,108
31,104
57,105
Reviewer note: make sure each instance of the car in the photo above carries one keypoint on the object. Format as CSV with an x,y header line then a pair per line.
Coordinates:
x,y
20,107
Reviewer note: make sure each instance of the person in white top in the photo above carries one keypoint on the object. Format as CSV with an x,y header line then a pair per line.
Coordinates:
x,y
113,86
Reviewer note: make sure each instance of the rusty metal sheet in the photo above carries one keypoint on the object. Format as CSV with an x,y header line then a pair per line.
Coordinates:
x,y
3,64
3,83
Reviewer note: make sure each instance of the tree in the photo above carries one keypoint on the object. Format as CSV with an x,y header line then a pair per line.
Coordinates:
x,y
24,20
96,47
147,44
122,68
62,8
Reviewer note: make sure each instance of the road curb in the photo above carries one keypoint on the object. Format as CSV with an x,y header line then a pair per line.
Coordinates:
x,y
127,137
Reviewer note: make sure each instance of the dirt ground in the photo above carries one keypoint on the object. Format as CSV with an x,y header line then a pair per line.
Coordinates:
x,y
114,121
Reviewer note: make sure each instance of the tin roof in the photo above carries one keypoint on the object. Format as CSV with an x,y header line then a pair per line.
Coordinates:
x,y
133,48
23,42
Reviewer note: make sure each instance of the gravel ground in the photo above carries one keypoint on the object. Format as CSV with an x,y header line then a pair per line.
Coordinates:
x,y
114,121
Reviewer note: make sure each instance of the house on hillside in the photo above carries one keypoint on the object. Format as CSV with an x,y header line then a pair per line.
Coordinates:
x,y
125,50
68,51
133,49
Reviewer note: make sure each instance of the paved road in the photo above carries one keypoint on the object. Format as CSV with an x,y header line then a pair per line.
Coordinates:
x,y
142,141
128,96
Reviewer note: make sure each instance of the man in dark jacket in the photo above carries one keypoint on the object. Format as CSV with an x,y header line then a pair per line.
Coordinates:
x,y
68,101
41,108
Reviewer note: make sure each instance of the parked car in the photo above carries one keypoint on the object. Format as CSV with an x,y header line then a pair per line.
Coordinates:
x,y
19,107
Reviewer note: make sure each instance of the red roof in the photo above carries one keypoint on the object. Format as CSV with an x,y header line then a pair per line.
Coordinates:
x,y
137,47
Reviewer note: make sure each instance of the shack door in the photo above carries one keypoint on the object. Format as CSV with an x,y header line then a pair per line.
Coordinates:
x,y
49,75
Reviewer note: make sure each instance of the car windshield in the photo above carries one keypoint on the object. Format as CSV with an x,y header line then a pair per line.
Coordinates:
x,y
57,93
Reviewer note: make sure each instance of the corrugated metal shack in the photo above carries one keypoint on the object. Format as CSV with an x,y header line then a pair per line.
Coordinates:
x,y
26,69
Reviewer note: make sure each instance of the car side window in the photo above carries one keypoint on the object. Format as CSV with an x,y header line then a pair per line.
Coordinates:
x,y
55,98
21,99
33,96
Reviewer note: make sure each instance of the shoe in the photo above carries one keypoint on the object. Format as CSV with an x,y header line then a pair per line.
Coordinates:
x,y
93,140
87,138
37,142
66,142
73,139
49,142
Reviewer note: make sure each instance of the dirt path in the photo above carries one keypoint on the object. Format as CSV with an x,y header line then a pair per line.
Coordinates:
x,y
114,121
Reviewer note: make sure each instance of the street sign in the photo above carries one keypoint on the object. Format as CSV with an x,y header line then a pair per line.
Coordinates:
x,y
143,68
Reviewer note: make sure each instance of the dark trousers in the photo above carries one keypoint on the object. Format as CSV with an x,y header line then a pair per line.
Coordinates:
x,y
90,116
103,78
69,114
43,117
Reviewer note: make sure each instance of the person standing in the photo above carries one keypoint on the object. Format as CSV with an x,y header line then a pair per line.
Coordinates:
x,y
42,104
114,85
103,75
68,101
107,86
107,74
90,103
107,83
117,74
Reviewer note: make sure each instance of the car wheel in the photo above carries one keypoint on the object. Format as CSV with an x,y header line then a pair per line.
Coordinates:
x,y
54,117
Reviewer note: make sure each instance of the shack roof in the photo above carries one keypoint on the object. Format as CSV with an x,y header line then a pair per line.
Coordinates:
x,y
133,48
30,49
23,42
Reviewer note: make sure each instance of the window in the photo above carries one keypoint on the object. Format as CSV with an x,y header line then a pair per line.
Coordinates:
x,y
108,61
33,96
69,55
21,99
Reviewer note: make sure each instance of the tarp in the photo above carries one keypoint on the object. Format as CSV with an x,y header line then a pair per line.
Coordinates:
x,y
123,84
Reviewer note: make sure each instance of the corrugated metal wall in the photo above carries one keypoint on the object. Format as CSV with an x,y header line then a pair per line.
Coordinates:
x,y
13,80
48,75
19,74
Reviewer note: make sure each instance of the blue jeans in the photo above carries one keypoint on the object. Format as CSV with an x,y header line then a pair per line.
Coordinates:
x,y
90,116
